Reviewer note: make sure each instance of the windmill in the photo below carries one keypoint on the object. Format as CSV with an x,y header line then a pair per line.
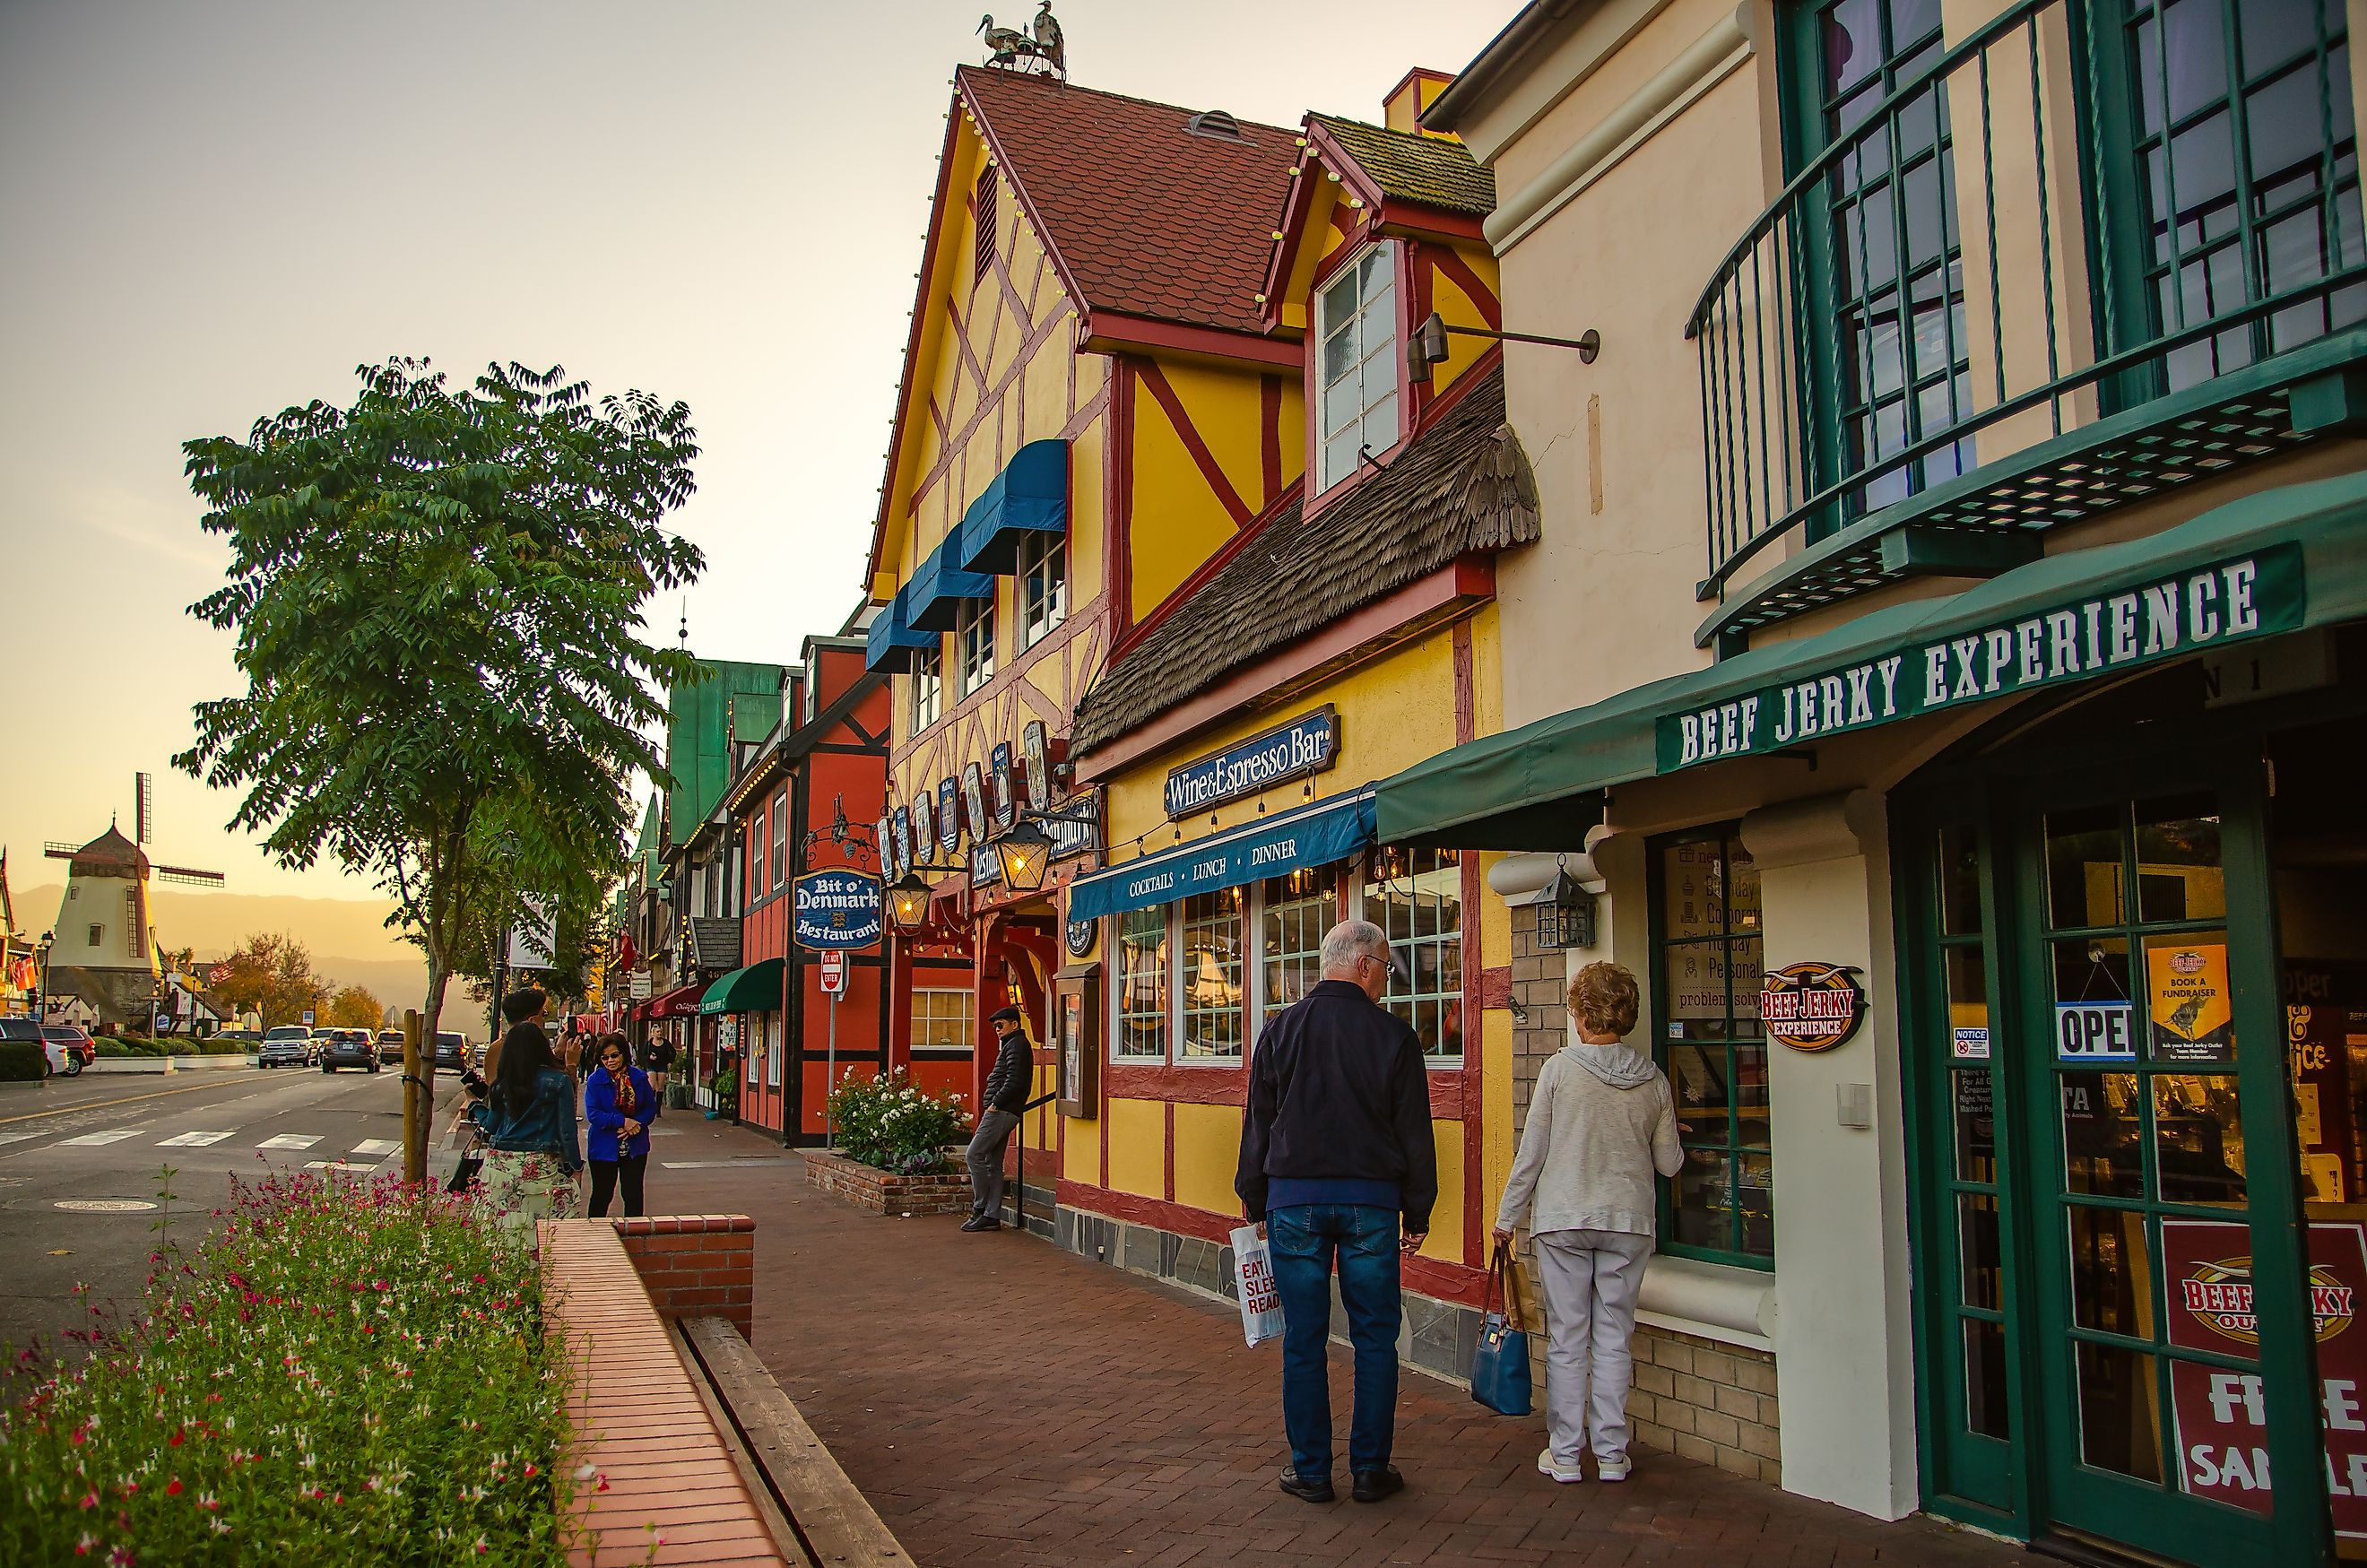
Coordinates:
x,y
104,957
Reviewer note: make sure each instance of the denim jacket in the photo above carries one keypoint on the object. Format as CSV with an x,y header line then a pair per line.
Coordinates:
x,y
545,1126
601,1115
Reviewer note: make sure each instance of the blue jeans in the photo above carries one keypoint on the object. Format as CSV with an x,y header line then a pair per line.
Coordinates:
x,y
1305,1240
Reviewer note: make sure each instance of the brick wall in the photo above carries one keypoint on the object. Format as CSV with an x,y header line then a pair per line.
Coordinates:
x,y
1697,1397
695,1265
876,1190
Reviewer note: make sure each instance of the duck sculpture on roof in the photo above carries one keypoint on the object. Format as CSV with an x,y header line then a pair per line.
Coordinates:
x,y
1008,47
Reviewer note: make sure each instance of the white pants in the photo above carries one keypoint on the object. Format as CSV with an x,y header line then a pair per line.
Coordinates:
x,y
1590,1280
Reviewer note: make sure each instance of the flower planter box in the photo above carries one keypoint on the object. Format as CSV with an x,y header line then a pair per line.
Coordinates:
x,y
883,1194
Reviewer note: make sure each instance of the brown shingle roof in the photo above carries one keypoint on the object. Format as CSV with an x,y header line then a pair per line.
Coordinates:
x,y
1408,167
1144,216
1463,485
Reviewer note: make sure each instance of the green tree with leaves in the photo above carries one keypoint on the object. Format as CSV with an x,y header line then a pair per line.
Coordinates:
x,y
437,597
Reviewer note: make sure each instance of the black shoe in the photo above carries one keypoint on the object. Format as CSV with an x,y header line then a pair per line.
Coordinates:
x,y
1371,1485
1309,1491
982,1223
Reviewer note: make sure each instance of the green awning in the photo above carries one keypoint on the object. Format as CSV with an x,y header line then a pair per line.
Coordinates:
x,y
756,989
2272,562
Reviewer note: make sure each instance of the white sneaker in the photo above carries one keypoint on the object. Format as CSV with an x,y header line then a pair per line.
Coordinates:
x,y
1612,1468
1545,1467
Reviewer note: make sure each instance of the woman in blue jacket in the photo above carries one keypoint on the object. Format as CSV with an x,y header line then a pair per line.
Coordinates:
x,y
619,1106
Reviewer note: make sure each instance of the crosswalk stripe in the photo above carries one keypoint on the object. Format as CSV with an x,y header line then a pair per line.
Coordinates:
x,y
193,1141
290,1141
16,1137
377,1146
92,1140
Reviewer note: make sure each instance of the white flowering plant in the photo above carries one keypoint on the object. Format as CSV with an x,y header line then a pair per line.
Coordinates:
x,y
344,1372
894,1124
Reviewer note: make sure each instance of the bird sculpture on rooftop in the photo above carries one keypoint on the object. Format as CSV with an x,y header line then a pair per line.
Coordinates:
x,y
1010,47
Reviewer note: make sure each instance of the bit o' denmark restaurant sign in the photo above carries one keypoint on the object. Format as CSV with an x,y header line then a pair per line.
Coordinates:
x,y
2232,600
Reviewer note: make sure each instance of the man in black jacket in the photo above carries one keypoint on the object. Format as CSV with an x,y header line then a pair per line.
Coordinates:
x,y
1339,1163
1006,1096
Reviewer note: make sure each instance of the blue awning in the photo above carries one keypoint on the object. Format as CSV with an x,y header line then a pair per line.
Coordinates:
x,y
941,590
1316,835
1030,496
890,644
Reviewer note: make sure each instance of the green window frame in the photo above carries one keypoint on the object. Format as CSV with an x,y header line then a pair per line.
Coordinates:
x,y
1706,961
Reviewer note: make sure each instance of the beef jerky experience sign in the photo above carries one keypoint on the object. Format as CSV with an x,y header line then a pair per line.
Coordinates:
x,y
2253,595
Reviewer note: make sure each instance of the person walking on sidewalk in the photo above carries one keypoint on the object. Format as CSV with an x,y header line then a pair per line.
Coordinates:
x,y
620,1103
1007,1084
657,1055
1602,1120
1339,1165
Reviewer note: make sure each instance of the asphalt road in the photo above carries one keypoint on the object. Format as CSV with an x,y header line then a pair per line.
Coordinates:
x,y
104,1140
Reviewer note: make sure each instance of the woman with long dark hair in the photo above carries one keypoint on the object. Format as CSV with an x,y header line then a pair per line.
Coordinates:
x,y
532,1162
619,1103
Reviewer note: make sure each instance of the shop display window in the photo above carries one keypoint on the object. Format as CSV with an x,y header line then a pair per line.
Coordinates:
x,y
1705,977
944,1021
1210,985
1297,911
1140,992
1415,895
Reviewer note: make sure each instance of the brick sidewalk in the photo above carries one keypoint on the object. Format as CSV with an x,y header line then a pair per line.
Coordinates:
x,y
1003,1403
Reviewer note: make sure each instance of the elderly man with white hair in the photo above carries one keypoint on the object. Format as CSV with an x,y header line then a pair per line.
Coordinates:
x,y
1339,1166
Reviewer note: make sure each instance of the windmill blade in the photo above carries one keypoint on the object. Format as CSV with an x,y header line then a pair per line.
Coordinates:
x,y
57,851
184,874
144,806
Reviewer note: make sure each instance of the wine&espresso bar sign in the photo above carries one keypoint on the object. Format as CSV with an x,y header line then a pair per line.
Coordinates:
x,y
2152,621
1308,744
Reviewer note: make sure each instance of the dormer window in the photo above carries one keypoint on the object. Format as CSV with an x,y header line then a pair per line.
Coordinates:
x,y
1356,405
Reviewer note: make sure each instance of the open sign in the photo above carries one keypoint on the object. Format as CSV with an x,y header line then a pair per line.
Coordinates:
x,y
2094,1031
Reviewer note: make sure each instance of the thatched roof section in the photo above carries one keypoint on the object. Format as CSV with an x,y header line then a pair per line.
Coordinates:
x,y
1463,485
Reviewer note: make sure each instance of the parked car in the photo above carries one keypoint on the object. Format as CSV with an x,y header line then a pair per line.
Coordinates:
x,y
290,1045
24,1031
77,1042
250,1038
348,1048
390,1045
452,1051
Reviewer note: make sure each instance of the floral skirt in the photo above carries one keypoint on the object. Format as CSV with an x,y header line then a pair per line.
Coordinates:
x,y
524,1188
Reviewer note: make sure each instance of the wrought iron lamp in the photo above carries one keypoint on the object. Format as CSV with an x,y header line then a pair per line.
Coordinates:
x,y
908,903
1565,912
1428,345
1025,852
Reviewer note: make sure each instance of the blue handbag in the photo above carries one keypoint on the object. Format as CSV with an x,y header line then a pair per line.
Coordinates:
x,y
1499,1365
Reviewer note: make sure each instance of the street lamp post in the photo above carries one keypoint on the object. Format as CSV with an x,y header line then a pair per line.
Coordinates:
x,y
41,977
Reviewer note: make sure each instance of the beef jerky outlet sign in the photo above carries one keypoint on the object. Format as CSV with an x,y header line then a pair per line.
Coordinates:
x,y
2228,600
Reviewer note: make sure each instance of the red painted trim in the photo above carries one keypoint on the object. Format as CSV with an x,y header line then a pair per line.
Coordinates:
x,y
1200,574
1415,222
1496,986
1188,1086
1447,590
989,403
1444,1281
1446,259
1163,392
1409,425
1355,180
969,355
1270,436
1447,1088
1115,332
1171,1151
1465,706
1118,509
1026,202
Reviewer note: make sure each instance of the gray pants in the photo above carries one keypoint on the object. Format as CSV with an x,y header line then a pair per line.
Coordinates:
x,y
1590,1280
984,1158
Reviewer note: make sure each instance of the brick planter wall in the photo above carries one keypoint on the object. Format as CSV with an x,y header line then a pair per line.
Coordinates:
x,y
695,1265
877,1191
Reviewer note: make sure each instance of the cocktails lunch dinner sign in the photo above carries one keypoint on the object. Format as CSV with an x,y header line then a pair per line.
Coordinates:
x,y
2233,600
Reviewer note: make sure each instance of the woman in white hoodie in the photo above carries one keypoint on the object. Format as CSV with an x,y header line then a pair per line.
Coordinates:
x,y
1602,1121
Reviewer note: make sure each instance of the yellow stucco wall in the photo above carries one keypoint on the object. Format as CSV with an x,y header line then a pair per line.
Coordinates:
x,y
1080,1160
1177,521
1137,1147
1445,1241
1208,1152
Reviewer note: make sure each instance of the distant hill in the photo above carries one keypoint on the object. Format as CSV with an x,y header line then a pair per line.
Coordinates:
x,y
348,937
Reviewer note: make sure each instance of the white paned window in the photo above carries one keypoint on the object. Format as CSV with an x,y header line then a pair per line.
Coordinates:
x,y
928,689
974,634
1356,402
1416,896
1212,980
941,1021
773,1052
1297,910
1141,990
780,837
1043,586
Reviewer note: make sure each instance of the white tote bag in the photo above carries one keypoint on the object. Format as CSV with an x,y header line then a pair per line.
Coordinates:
x,y
1253,1282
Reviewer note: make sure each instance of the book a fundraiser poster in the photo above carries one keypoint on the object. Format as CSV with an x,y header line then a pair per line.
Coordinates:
x,y
2188,1009
2221,1416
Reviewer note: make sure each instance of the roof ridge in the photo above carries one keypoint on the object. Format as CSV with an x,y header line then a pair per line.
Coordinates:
x,y
1129,99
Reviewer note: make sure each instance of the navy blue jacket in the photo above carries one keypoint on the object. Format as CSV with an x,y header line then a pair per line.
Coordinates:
x,y
1338,1091
600,1115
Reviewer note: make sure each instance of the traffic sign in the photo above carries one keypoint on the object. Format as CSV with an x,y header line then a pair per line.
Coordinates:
x,y
308,1018
833,971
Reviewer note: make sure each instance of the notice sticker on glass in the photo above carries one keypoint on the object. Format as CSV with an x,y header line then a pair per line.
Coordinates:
x,y
2187,1001
2095,1031
1965,1044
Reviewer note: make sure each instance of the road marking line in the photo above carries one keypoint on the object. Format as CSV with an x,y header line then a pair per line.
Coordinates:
x,y
740,1164
377,1146
16,1137
290,1141
91,1140
103,1104
194,1141
330,1164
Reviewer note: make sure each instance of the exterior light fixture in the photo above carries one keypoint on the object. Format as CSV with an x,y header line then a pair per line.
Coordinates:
x,y
1428,345
908,903
1565,912
1025,852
